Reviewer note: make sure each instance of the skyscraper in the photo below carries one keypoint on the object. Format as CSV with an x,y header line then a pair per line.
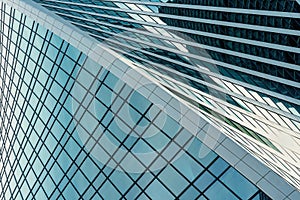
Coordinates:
x,y
150,99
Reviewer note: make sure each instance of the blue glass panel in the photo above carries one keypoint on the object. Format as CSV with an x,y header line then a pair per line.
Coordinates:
x,y
238,184
119,128
105,95
190,193
201,152
141,147
158,141
188,166
139,102
49,184
218,167
133,193
56,90
42,31
173,180
67,64
204,181
80,182
90,169
108,191
107,119
62,77
219,192
72,148
56,173
56,41
121,181
73,52
41,194
47,64
70,192
157,191
52,52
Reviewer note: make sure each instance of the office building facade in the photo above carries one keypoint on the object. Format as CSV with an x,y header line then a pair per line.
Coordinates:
x,y
149,100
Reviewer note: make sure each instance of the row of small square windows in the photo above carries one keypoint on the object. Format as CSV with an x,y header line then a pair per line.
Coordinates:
x,y
289,89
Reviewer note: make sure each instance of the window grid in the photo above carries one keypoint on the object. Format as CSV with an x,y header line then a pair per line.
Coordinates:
x,y
44,136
